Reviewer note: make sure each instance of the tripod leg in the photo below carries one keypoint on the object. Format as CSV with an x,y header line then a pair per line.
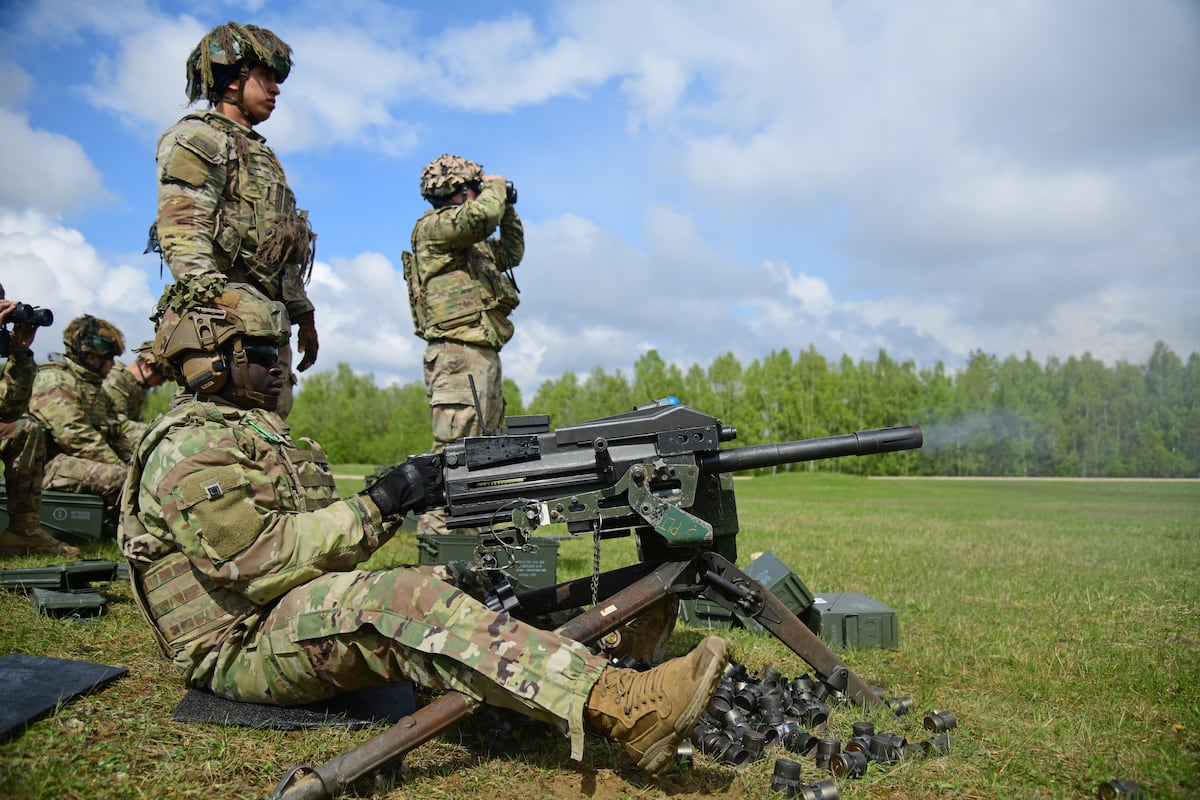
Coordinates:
x,y
726,584
628,603
332,777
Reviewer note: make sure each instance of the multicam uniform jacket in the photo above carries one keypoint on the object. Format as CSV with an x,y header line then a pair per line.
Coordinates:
x,y
222,488
78,415
126,392
242,560
456,283
128,395
16,385
224,208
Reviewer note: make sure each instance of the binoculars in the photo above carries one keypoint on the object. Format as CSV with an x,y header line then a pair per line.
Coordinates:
x,y
23,313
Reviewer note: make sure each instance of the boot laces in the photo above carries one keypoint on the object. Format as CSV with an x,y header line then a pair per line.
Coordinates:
x,y
625,687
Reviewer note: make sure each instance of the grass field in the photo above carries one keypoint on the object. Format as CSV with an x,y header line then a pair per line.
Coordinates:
x,y
1059,620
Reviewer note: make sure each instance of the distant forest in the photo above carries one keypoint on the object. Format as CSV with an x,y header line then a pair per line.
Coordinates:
x,y
1011,417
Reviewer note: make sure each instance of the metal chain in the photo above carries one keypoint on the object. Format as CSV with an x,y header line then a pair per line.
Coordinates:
x,y
596,564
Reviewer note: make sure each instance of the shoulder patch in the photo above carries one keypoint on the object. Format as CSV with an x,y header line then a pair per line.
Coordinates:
x,y
197,152
221,507
210,484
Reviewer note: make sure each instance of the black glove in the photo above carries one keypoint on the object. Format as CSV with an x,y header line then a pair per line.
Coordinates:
x,y
415,485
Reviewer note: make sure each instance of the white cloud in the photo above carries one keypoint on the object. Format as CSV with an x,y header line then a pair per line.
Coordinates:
x,y
130,80
929,177
45,170
52,266
363,318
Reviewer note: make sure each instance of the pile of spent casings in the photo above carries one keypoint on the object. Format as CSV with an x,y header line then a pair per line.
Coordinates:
x,y
749,716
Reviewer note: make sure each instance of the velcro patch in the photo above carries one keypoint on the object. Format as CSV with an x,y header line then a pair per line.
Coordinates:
x,y
220,505
191,161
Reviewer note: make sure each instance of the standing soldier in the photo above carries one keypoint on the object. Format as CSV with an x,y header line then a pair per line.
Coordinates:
x,y
461,296
88,452
243,560
225,212
22,446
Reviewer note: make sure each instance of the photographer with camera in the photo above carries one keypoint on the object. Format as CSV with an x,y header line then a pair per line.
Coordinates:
x,y
22,442
461,292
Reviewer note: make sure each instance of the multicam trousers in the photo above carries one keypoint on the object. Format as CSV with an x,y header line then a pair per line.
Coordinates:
x,y
23,450
448,368
351,630
66,473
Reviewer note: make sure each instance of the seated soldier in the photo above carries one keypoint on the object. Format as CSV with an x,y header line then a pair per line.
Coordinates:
x,y
243,560
126,387
86,450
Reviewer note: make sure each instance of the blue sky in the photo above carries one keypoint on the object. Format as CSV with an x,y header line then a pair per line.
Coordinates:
x,y
930,177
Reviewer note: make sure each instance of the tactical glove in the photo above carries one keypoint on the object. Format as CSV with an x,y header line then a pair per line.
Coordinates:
x,y
415,485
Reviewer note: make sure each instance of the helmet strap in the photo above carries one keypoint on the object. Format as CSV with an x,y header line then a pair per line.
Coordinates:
x,y
255,399
239,100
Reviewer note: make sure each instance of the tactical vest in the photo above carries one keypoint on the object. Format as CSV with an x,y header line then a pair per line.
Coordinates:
x,y
259,233
459,297
180,602
93,402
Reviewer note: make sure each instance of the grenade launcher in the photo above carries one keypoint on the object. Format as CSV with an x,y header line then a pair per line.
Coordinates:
x,y
657,471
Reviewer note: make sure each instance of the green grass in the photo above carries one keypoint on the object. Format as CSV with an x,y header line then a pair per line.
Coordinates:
x,y
1059,620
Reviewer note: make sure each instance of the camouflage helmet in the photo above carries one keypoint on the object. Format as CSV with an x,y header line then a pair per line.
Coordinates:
x,y
234,45
145,353
446,174
187,343
88,334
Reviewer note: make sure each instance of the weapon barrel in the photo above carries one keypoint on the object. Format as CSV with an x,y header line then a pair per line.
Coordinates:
x,y
862,443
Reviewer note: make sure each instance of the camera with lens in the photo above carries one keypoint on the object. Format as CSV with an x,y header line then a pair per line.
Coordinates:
x,y
510,193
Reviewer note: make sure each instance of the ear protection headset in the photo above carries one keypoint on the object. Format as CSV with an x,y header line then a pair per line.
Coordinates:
x,y
205,371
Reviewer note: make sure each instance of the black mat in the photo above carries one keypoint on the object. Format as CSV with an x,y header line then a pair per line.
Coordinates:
x,y
31,687
361,709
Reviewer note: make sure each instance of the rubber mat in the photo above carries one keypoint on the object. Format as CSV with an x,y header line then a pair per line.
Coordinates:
x,y
31,687
361,709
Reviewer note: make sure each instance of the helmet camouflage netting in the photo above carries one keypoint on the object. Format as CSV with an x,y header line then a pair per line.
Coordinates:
x,y
231,45
88,334
446,174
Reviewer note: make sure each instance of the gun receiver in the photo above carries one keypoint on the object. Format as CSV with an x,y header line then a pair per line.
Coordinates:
x,y
657,470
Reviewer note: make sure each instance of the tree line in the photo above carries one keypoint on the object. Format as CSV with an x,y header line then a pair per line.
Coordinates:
x,y
1011,417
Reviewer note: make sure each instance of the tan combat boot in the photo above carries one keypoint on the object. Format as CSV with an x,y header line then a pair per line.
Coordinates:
x,y
649,713
25,535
